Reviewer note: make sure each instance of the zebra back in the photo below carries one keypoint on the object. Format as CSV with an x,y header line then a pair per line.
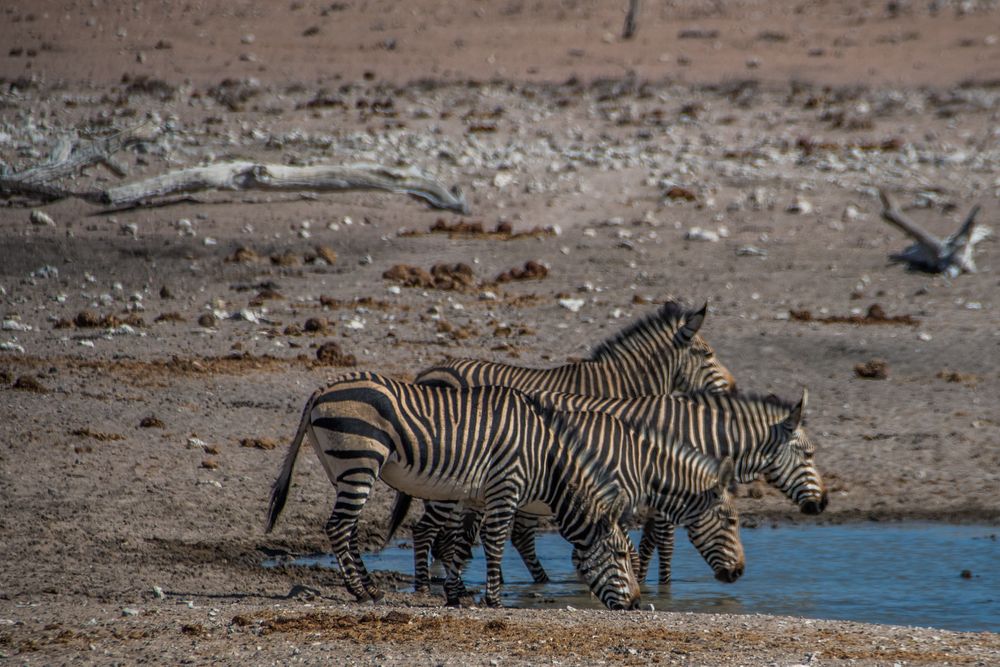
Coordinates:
x,y
659,353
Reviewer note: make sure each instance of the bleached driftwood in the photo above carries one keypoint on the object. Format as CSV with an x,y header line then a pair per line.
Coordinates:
x,y
631,20
65,159
316,178
952,255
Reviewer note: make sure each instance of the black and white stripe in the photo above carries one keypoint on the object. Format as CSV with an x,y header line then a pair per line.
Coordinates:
x,y
647,469
488,447
763,435
658,354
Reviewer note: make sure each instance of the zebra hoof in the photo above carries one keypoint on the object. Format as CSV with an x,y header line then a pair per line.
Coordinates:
x,y
461,602
541,579
491,603
422,588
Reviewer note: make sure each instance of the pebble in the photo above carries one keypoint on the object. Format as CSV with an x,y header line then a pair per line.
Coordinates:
x,y
14,325
699,234
572,305
800,206
128,611
41,218
11,347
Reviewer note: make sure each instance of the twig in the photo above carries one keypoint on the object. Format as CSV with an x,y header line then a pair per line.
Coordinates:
x,y
631,20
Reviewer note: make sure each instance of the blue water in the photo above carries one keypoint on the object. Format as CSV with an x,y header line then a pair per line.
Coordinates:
x,y
894,573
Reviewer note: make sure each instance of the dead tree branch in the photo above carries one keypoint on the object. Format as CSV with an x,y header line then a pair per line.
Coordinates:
x,y
66,159
952,255
40,182
317,178
631,20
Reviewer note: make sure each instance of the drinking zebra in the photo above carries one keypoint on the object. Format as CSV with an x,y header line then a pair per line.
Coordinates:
x,y
763,435
657,354
652,469
488,447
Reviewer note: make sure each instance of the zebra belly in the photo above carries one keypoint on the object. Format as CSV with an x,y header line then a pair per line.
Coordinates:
x,y
428,487
535,508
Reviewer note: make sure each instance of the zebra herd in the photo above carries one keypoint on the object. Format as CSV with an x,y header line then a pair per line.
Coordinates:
x,y
649,425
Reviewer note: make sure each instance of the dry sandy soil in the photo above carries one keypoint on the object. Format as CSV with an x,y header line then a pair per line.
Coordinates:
x,y
140,456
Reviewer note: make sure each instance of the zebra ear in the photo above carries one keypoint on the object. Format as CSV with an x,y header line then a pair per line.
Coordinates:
x,y
727,473
795,418
691,325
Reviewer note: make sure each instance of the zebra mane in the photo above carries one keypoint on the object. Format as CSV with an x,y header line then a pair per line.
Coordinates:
x,y
664,319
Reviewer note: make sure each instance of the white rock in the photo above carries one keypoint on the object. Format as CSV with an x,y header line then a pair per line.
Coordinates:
x,y
800,206
356,323
47,271
248,315
393,289
128,611
41,218
924,336
86,343
572,305
502,179
699,234
158,592
196,442
11,347
14,325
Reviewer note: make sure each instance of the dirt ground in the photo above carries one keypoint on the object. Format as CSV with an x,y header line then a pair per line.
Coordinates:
x,y
154,360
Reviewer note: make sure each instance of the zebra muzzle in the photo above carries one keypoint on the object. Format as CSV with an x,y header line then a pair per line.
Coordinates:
x,y
729,576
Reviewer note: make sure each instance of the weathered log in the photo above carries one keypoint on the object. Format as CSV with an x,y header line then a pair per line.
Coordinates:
x,y
41,182
952,255
258,176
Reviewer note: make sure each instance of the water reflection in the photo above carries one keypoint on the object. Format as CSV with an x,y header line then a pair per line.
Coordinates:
x,y
903,573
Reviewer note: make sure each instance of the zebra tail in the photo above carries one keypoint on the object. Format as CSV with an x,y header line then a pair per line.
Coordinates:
x,y
400,507
279,491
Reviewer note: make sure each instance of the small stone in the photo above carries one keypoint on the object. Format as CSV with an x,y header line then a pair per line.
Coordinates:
x,y
166,293
572,305
158,592
207,320
800,206
41,218
128,611
699,234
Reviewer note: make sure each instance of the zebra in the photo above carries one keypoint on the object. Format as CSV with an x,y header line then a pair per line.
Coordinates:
x,y
651,468
659,353
764,436
489,447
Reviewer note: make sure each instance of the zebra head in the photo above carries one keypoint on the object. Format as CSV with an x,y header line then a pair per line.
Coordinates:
x,y
792,469
665,350
606,564
715,529
697,368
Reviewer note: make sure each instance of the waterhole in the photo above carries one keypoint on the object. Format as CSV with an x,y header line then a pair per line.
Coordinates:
x,y
923,574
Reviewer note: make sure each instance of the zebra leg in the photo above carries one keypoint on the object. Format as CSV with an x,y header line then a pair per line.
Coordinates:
x,y
456,543
424,534
523,538
496,529
664,537
647,547
341,530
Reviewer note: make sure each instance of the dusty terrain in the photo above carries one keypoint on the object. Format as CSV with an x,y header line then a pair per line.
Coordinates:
x,y
155,360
